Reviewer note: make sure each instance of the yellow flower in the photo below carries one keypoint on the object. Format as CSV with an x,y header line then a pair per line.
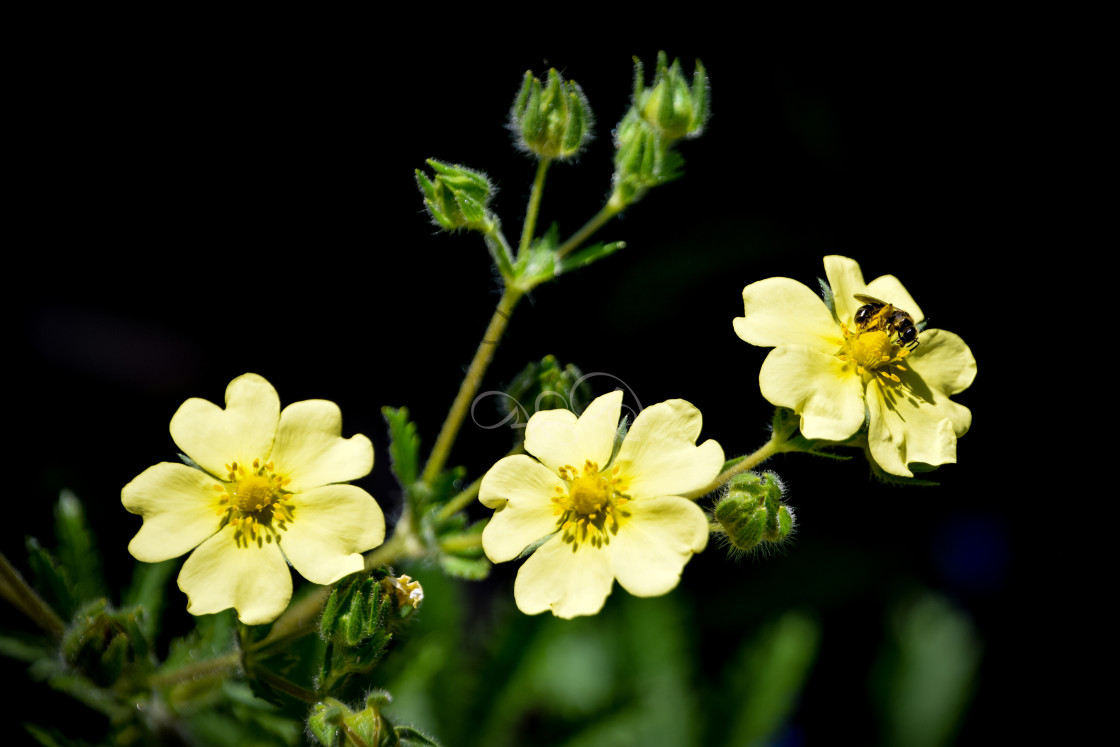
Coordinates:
x,y
838,374
266,495
600,518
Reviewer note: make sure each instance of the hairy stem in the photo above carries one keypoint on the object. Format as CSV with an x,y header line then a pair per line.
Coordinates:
x,y
610,210
534,206
23,597
217,667
469,387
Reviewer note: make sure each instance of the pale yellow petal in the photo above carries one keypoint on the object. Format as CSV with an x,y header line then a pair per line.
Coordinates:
x,y
660,456
310,450
557,438
826,392
253,580
214,437
906,429
650,550
888,288
846,279
944,361
180,509
781,311
569,583
521,489
331,527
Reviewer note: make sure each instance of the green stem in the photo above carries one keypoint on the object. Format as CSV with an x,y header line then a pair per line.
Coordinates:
x,y
459,407
403,544
534,206
459,502
284,686
463,499
777,444
219,666
500,250
297,621
23,597
610,210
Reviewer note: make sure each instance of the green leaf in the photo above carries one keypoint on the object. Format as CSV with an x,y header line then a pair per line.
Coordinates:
x,y
404,445
767,674
926,672
474,569
23,648
149,582
588,255
410,737
76,550
52,580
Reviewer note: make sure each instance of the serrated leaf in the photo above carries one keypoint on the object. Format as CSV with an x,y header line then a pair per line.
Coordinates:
x,y
404,445
51,580
76,550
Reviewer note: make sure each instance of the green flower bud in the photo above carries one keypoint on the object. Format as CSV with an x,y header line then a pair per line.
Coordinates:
x,y
672,107
553,121
642,160
544,386
102,643
752,512
457,198
334,724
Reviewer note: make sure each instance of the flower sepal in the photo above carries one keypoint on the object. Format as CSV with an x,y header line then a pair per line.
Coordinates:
x,y
551,120
457,197
334,724
753,511
673,107
105,645
359,619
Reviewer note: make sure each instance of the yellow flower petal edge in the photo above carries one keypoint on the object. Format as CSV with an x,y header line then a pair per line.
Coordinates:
x,y
267,495
598,519
838,371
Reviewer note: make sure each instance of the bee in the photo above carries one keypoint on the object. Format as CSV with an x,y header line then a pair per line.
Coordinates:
x,y
876,314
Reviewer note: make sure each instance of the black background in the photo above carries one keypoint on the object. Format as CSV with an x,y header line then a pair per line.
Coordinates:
x,y
194,205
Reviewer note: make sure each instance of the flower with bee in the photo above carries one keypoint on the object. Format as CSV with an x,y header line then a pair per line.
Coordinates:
x,y
861,360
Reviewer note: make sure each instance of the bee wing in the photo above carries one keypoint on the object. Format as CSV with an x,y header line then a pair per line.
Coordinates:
x,y
868,299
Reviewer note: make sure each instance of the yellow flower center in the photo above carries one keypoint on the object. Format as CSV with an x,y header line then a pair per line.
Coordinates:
x,y
869,349
590,509
255,503
874,354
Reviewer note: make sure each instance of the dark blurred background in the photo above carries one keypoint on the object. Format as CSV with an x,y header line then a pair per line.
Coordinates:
x,y
190,207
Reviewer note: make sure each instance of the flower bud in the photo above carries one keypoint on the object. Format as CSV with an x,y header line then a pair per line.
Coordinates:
x,y
752,512
553,121
102,643
334,724
457,198
672,107
642,160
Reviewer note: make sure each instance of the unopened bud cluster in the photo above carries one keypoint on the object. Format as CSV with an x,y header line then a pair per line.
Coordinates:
x,y
457,197
551,120
752,512
668,110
